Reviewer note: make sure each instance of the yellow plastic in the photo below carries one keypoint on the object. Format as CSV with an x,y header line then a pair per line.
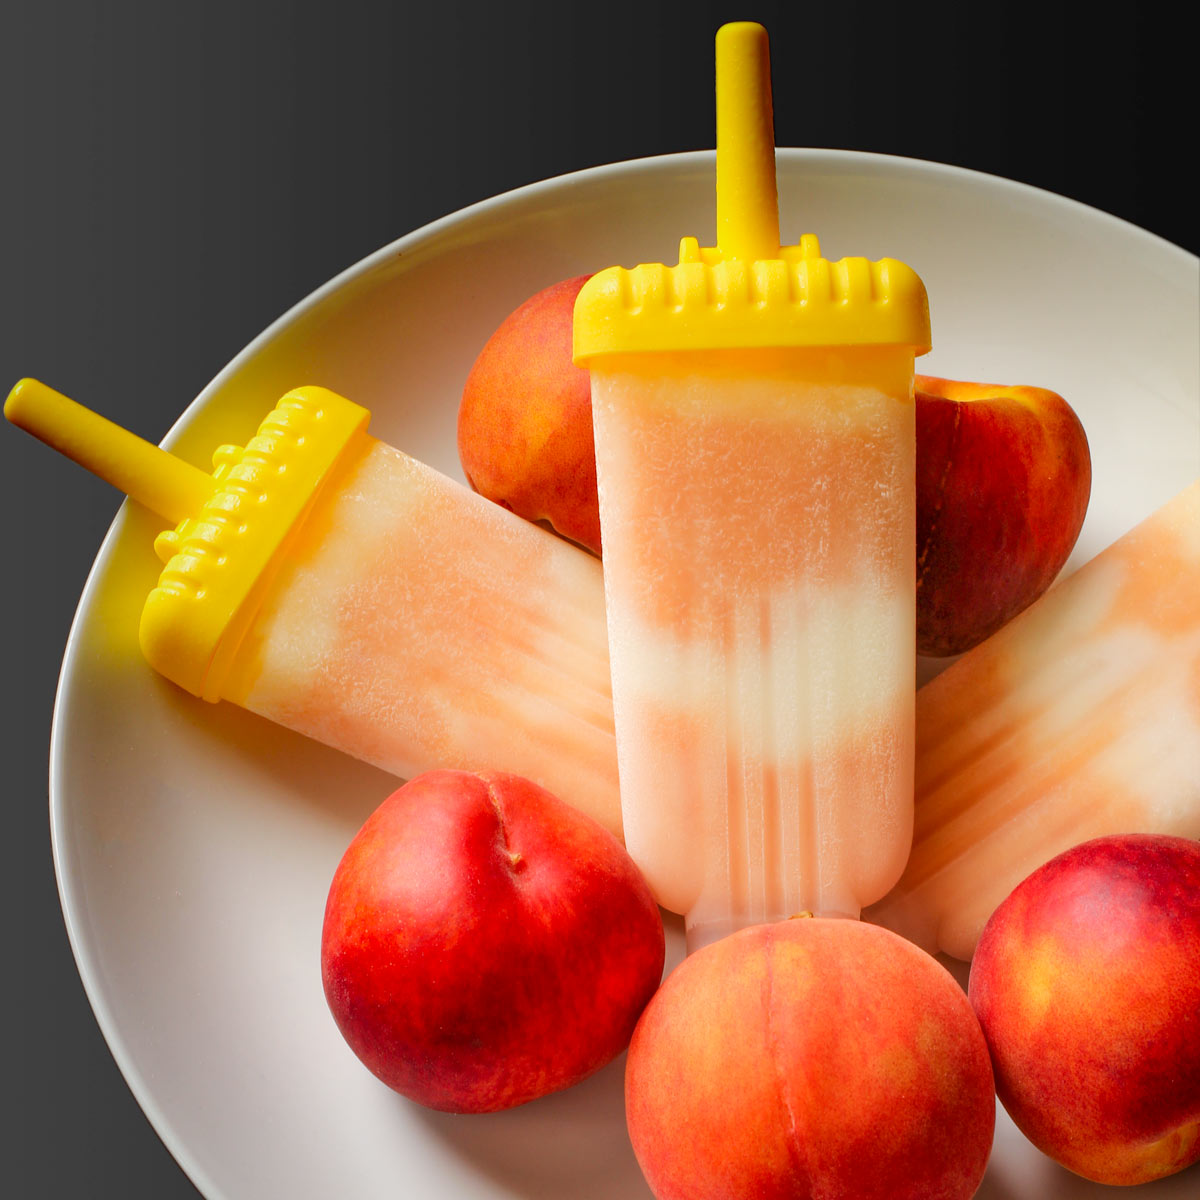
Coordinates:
x,y
146,473
748,291
231,527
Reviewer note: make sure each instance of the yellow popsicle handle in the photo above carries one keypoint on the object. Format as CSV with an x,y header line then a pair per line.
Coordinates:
x,y
145,472
747,200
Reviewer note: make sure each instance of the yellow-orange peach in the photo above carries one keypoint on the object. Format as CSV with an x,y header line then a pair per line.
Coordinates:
x,y
525,419
1087,984
810,1058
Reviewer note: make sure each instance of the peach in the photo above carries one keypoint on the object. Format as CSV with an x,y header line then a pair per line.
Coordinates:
x,y
1087,984
485,943
1003,473
816,1057
525,419
1004,476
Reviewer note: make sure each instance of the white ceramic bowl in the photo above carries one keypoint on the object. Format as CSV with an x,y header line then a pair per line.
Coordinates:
x,y
194,844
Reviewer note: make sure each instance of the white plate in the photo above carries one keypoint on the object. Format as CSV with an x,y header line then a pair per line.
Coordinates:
x,y
194,844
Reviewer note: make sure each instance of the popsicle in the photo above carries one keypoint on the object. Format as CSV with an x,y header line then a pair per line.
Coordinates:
x,y
330,583
1079,718
754,423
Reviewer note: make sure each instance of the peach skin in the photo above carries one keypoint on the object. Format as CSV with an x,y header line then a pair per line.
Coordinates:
x,y
1004,476
1087,985
816,1057
525,419
485,944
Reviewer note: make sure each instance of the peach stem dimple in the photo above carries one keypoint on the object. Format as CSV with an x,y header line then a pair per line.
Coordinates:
x,y
516,859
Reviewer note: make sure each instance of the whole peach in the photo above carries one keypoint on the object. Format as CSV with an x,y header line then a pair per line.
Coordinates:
x,y
525,419
1004,476
817,1057
485,943
1087,984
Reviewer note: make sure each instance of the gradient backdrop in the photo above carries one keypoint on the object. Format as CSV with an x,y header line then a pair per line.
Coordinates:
x,y
176,175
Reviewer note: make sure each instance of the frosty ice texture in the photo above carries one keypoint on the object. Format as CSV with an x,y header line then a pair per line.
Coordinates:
x,y
416,624
1079,718
758,523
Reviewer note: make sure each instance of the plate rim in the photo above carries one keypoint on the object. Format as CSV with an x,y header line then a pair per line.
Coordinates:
x,y
69,900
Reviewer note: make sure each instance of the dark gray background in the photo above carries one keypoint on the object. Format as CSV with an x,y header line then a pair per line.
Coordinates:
x,y
176,176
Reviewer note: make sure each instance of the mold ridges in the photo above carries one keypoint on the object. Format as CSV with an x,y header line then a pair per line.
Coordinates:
x,y
249,480
216,559
711,302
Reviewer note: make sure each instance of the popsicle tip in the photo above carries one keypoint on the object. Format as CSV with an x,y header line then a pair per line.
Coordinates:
x,y
747,199
24,393
148,474
750,30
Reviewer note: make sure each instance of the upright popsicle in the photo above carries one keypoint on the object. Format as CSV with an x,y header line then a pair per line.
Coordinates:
x,y
1080,718
338,587
754,421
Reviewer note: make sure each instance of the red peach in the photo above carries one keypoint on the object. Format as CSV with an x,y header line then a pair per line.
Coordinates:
x,y
1087,984
525,419
485,943
817,1057
1004,476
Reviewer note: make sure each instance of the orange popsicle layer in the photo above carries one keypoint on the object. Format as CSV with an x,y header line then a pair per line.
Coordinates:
x,y
745,479
1079,718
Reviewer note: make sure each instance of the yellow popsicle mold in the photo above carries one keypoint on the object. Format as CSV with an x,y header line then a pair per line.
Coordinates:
x,y
749,292
231,527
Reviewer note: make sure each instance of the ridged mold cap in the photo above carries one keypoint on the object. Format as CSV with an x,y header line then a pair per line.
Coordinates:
x,y
219,562
748,291
231,527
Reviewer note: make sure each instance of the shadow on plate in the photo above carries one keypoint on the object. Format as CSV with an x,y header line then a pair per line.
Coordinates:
x,y
268,758
573,1143
1062,1184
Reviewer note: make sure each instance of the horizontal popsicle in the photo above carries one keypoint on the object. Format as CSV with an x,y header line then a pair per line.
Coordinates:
x,y
340,588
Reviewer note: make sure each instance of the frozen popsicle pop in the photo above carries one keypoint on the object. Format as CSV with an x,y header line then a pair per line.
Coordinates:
x,y
339,587
1079,718
754,421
